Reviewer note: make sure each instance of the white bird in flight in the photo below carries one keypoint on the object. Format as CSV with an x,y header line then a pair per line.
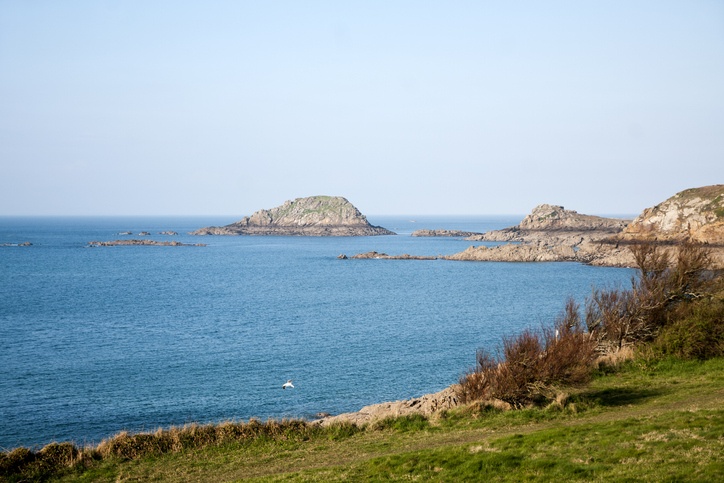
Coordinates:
x,y
288,384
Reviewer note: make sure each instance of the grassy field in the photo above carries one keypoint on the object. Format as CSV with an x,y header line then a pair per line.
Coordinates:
x,y
650,421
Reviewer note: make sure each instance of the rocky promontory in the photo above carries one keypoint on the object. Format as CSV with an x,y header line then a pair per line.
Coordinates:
x,y
695,214
312,216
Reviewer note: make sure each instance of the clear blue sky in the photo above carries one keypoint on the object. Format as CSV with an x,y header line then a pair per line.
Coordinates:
x,y
404,107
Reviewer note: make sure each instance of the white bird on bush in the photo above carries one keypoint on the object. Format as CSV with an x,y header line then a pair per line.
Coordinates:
x,y
288,384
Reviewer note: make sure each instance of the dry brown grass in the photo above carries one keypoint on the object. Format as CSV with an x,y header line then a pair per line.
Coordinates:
x,y
55,457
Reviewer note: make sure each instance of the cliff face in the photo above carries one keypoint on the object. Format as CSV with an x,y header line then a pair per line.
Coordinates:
x,y
696,213
312,216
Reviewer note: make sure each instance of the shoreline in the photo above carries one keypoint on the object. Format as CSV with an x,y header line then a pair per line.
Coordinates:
x,y
426,405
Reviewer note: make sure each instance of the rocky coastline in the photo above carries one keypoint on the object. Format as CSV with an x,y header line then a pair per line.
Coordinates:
x,y
551,233
426,405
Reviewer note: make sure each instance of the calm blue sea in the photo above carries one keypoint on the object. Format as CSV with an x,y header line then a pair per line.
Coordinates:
x,y
98,340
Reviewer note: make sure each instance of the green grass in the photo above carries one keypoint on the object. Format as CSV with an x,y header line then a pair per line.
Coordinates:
x,y
650,421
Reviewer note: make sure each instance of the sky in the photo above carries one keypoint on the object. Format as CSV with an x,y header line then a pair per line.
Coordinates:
x,y
403,107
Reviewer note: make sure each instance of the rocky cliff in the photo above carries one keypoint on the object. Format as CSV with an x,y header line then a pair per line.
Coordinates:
x,y
312,216
696,214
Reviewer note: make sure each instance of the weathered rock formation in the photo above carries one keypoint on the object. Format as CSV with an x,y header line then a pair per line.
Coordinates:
x,y
313,216
696,214
546,221
116,243
426,405
550,233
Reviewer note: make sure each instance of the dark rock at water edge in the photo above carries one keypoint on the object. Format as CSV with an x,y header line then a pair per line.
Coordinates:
x,y
116,243
444,233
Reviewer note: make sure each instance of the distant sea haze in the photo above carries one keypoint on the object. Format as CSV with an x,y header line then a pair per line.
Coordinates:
x,y
98,340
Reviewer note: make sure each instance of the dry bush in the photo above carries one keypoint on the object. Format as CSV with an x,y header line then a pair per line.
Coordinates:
x,y
134,446
613,358
533,365
15,461
667,278
176,439
59,455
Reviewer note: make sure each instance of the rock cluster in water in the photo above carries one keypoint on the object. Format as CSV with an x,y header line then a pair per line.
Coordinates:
x,y
116,243
312,216
551,233
444,233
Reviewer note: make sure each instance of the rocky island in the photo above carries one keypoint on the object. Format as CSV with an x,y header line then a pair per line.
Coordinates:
x,y
312,216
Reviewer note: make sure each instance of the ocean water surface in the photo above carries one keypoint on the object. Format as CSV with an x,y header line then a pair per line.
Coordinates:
x,y
98,340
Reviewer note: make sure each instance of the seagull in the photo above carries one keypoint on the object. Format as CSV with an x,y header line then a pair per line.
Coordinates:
x,y
288,384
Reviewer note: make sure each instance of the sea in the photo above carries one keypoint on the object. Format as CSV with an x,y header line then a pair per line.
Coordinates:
x,y
99,340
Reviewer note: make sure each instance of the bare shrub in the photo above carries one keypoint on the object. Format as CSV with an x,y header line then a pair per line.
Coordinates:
x,y
614,358
666,278
533,365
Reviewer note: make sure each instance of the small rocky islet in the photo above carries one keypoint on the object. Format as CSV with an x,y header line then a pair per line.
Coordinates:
x,y
155,243
311,216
